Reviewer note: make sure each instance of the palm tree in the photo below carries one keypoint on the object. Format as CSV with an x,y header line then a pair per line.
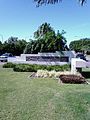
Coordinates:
x,y
40,2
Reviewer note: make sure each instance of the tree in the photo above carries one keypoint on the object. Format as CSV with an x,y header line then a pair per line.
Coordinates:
x,y
29,47
12,40
46,40
80,45
42,30
1,47
20,46
61,41
14,46
40,2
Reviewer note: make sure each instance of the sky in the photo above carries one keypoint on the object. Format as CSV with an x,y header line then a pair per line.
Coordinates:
x,y
21,18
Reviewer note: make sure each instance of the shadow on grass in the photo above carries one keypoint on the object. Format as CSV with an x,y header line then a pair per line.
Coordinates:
x,y
86,74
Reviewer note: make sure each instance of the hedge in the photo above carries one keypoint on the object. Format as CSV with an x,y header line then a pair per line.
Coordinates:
x,y
9,65
34,68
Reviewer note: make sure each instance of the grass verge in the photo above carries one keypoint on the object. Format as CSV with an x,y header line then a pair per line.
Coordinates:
x,y
22,98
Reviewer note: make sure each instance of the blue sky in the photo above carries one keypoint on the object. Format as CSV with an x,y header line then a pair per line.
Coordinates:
x,y
20,18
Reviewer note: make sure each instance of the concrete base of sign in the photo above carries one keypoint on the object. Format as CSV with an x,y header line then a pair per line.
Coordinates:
x,y
78,63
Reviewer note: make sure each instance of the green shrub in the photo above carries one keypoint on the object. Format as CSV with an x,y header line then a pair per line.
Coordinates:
x,y
38,67
59,68
24,68
9,65
34,68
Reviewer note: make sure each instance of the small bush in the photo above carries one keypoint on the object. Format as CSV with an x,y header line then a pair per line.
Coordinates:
x,y
72,79
9,65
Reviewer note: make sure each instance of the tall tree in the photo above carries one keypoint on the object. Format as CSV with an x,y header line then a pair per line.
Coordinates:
x,y
46,40
40,2
42,30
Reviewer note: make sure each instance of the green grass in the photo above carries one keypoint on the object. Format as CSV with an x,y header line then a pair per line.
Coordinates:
x,y
22,98
86,69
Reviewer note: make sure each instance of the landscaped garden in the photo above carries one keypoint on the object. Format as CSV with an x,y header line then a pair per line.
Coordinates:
x,y
25,98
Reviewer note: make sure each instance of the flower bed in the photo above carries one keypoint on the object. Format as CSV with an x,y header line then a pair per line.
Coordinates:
x,y
72,79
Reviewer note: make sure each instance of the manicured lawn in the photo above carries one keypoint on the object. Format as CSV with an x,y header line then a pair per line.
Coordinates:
x,y
86,69
22,98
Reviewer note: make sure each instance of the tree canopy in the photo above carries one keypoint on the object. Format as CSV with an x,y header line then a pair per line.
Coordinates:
x,y
40,2
46,40
13,45
43,30
80,45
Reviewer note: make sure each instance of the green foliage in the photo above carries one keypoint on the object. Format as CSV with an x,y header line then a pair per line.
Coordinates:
x,y
46,40
34,68
43,30
59,68
14,46
24,68
80,45
1,47
9,65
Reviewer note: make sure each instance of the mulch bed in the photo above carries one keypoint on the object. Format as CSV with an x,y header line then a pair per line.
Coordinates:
x,y
72,79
